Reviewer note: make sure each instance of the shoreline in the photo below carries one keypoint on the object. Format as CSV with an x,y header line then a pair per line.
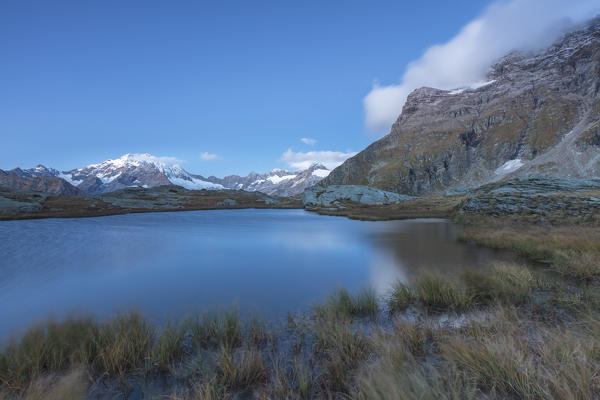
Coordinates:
x,y
509,330
440,334
135,211
18,205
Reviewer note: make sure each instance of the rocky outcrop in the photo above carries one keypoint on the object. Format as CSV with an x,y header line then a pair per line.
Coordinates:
x,y
539,185
532,204
340,196
177,197
22,203
538,198
18,204
45,184
538,115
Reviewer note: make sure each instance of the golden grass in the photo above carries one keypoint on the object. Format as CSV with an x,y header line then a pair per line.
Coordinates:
x,y
440,293
342,304
241,370
555,366
72,385
401,297
422,207
506,331
507,283
573,251
216,329
342,349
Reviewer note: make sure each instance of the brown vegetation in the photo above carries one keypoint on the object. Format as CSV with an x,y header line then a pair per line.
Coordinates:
x,y
422,207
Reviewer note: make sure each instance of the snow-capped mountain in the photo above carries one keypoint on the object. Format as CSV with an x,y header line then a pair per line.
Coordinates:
x,y
130,170
36,172
278,182
145,170
134,170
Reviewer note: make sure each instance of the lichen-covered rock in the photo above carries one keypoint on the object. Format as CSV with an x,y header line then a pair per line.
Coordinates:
x,y
338,196
8,205
531,204
540,185
538,197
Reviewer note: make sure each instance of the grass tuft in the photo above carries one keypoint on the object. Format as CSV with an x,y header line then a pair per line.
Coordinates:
x,y
257,331
573,251
439,293
413,381
123,344
241,370
169,346
506,283
342,304
401,297
343,349
216,329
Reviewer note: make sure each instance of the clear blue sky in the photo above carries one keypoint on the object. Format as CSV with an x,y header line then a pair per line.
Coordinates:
x,y
83,81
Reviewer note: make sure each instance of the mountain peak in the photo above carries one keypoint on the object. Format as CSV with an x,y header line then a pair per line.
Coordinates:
x,y
316,166
535,114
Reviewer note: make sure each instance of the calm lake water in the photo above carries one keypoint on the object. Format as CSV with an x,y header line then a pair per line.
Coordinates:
x,y
169,265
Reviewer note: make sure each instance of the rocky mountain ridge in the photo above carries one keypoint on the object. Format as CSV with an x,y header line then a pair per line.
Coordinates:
x,y
46,184
145,170
538,114
277,182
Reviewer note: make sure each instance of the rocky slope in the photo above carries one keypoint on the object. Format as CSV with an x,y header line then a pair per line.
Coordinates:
x,y
538,115
145,170
47,184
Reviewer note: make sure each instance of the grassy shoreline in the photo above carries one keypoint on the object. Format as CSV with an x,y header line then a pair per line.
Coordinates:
x,y
507,331
422,207
18,205
92,214
511,331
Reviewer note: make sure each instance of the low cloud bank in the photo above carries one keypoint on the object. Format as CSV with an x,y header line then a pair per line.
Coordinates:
x,y
300,160
209,157
465,59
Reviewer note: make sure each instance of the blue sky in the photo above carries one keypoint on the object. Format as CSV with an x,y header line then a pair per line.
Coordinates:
x,y
81,82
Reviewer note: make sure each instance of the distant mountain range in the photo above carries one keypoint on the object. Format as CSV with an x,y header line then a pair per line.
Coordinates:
x,y
278,182
145,170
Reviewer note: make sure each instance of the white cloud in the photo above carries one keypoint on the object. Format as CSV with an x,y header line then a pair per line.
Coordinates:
x,y
309,141
465,59
142,157
209,157
300,160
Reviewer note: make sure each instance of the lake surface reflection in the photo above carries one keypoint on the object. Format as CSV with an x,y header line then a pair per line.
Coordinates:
x,y
169,265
